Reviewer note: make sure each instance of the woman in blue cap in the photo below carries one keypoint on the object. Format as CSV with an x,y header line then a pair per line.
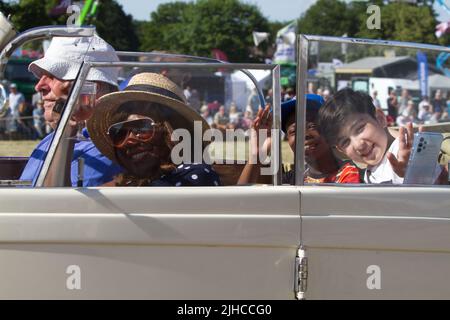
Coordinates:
x,y
322,164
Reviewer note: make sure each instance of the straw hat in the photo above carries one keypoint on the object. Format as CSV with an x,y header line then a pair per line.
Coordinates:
x,y
145,87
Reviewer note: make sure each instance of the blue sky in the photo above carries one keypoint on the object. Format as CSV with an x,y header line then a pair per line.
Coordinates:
x,y
280,10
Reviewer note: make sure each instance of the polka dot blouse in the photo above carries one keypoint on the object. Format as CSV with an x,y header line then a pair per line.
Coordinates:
x,y
190,175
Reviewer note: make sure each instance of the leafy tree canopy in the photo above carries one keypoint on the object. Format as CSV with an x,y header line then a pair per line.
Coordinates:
x,y
197,28
403,22
115,26
112,23
399,21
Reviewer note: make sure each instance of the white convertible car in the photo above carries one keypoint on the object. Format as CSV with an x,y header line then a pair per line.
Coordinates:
x,y
262,241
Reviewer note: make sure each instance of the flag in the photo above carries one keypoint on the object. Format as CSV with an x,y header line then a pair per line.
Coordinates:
x,y
344,46
422,72
442,3
219,55
61,8
291,27
289,38
259,37
337,63
442,28
285,52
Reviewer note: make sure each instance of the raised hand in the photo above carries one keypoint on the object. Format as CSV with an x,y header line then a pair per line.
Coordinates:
x,y
263,118
406,139
263,121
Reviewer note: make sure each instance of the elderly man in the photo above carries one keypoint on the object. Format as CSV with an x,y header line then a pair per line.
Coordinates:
x,y
57,71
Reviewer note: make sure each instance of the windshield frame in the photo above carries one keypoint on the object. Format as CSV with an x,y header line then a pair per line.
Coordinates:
x,y
303,42
63,128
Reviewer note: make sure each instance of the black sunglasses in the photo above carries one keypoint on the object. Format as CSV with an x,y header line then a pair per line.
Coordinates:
x,y
142,129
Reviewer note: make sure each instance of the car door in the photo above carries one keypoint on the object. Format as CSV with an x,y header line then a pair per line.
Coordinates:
x,y
152,243
223,242
378,241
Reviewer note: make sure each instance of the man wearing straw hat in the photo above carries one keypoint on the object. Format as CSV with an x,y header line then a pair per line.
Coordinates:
x,y
57,71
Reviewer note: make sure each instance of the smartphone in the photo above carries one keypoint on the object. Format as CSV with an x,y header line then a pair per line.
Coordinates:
x,y
423,158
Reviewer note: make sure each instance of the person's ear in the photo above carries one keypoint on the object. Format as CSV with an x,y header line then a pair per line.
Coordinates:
x,y
339,150
381,117
66,86
338,153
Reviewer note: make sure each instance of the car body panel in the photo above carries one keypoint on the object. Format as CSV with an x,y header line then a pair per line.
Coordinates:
x,y
405,232
140,243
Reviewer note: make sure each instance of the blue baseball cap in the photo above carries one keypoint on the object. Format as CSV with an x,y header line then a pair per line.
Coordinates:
x,y
313,103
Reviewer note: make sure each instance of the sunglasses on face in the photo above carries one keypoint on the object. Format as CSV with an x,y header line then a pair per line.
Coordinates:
x,y
142,129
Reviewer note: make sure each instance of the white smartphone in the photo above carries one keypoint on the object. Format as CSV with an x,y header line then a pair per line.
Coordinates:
x,y
422,162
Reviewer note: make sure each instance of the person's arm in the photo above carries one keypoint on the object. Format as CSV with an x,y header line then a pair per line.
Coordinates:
x,y
252,170
252,174
62,161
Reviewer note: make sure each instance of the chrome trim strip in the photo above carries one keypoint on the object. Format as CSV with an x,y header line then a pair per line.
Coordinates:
x,y
84,72
276,101
300,114
186,65
376,42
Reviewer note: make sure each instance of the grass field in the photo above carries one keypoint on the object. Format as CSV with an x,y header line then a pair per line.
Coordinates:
x,y
23,148
17,148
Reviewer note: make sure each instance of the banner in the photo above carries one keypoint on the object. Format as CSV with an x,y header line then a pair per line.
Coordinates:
x,y
285,41
219,55
259,37
442,28
422,72
344,45
60,8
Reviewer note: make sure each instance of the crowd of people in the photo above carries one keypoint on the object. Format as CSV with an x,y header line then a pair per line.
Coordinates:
x,y
402,109
20,119
232,117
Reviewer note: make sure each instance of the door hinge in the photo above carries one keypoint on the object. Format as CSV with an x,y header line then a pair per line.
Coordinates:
x,y
301,273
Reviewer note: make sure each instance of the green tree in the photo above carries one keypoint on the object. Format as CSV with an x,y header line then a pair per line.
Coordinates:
x,y
197,28
6,8
226,25
167,29
330,18
115,26
399,21
403,22
111,22
28,14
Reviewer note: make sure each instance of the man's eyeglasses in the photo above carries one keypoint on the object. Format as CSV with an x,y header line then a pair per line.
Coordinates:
x,y
142,129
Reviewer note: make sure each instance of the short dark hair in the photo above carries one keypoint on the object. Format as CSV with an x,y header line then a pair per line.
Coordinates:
x,y
334,113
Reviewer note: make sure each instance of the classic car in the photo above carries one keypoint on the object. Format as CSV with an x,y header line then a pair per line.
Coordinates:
x,y
260,241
